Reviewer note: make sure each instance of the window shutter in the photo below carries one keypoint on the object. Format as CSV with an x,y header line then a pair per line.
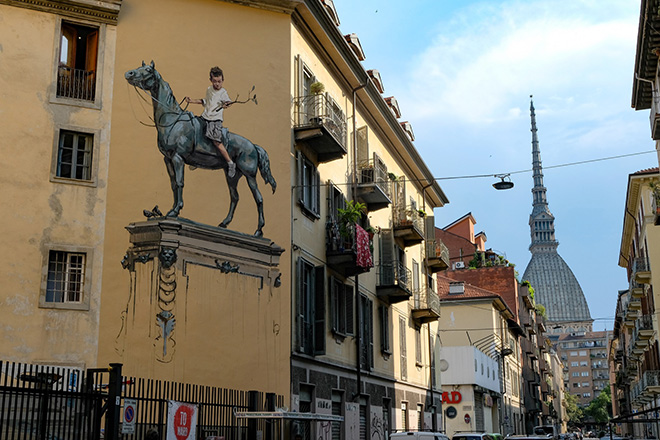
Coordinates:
x,y
429,232
384,328
387,259
319,310
301,177
316,193
370,332
334,305
350,309
402,344
92,51
362,145
300,321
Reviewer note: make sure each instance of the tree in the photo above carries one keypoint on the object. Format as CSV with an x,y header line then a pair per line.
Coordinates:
x,y
573,411
600,409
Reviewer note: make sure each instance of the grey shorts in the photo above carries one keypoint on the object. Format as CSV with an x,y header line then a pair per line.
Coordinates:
x,y
214,131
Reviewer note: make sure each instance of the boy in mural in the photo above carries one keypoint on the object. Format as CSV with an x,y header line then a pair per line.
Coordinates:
x,y
216,101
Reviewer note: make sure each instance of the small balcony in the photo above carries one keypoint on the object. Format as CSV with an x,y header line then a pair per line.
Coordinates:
x,y
636,289
643,331
647,386
437,256
343,254
76,83
321,125
408,225
394,282
654,117
640,271
632,309
374,186
426,306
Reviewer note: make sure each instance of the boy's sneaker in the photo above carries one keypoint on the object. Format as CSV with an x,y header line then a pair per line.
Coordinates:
x,y
231,172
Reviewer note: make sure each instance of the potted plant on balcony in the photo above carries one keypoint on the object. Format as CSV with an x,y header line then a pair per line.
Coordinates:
x,y
316,89
349,216
655,188
421,213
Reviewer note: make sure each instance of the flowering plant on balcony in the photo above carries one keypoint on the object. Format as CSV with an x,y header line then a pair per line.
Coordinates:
x,y
655,188
349,216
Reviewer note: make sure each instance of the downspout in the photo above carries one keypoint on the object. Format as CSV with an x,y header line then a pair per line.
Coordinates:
x,y
358,307
434,420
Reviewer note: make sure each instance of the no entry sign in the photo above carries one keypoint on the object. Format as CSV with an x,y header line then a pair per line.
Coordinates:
x,y
181,421
128,423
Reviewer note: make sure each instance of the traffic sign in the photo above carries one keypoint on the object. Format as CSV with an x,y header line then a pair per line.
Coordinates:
x,y
128,422
181,420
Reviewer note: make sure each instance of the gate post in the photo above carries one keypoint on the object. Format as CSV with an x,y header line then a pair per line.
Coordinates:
x,y
270,424
253,405
114,403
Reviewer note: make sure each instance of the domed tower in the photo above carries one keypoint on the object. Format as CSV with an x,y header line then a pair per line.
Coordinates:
x,y
555,286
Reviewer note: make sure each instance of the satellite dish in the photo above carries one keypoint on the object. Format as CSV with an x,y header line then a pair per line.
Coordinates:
x,y
443,364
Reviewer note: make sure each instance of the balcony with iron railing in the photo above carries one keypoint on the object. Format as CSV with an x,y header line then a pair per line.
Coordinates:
x,y
321,125
646,387
643,331
408,225
343,253
641,273
394,282
631,310
76,83
373,184
437,255
426,307
654,116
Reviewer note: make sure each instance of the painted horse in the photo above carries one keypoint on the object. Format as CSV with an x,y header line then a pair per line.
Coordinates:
x,y
182,141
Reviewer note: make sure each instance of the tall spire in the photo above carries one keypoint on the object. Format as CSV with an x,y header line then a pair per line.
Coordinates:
x,y
541,221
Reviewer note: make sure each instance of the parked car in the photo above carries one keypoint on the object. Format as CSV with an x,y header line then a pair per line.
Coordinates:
x,y
472,436
418,435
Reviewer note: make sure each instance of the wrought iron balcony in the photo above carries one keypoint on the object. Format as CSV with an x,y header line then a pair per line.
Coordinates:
x,y
632,309
426,306
643,331
408,225
646,387
374,186
654,117
76,83
437,256
641,271
321,125
342,250
394,282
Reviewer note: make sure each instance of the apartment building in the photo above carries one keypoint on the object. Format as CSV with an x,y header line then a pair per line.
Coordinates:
x,y
56,100
335,307
633,353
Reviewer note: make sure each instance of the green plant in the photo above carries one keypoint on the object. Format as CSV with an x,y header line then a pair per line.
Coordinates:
x,y
317,88
540,309
392,176
421,213
349,216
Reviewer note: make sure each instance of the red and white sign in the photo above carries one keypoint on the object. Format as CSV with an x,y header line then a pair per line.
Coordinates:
x,y
181,421
467,418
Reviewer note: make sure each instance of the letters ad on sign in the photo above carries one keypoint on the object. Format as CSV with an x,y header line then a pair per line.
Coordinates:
x,y
181,421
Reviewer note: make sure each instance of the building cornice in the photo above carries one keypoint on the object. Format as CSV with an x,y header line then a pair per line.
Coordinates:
x,y
103,11
285,6
633,195
646,58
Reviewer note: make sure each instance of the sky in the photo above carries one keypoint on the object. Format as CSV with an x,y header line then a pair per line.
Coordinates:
x,y
463,71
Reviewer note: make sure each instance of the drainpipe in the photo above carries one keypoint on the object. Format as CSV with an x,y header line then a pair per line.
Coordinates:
x,y
434,420
358,306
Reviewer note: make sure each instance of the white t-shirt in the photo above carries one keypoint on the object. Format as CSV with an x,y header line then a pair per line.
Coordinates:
x,y
214,98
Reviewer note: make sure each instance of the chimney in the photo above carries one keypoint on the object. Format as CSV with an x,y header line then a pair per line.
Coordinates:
x,y
456,288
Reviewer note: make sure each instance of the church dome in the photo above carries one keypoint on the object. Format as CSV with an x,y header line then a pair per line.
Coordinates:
x,y
556,288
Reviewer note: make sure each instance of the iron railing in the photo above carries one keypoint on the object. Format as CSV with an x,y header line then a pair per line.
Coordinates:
x,y
76,83
320,110
395,274
407,216
374,171
426,298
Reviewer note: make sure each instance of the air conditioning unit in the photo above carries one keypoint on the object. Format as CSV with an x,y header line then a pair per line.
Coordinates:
x,y
459,265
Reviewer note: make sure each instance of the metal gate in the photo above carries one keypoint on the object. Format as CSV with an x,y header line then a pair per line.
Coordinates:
x,y
40,402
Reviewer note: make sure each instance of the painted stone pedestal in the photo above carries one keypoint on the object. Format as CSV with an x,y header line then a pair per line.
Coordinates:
x,y
203,306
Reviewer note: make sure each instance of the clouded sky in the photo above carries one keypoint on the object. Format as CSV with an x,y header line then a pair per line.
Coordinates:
x,y
462,72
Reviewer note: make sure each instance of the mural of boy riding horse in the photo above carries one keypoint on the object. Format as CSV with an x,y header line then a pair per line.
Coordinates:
x,y
182,140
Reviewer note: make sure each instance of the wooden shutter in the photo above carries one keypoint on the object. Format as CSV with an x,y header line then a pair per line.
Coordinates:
x,y
301,177
429,233
362,144
300,318
92,51
384,328
319,310
350,309
316,192
402,344
369,322
69,34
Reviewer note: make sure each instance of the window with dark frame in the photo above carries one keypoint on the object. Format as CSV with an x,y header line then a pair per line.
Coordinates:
x,y
76,73
309,187
311,308
342,307
74,155
66,277
385,329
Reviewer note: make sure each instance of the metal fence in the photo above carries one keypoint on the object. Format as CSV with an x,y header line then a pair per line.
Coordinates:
x,y
51,403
